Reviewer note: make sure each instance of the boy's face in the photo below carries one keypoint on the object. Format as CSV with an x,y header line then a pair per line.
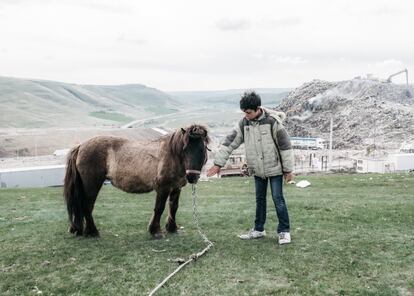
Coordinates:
x,y
251,114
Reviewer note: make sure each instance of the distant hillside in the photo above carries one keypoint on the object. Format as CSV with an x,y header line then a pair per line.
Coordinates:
x,y
365,112
40,103
229,98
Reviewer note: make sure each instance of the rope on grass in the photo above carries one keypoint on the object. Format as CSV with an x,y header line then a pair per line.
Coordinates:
x,y
192,257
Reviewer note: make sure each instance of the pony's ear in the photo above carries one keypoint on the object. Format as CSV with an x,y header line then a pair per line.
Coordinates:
x,y
182,131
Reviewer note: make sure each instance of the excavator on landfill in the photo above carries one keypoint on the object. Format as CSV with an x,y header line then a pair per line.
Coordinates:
x,y
399,72
409,95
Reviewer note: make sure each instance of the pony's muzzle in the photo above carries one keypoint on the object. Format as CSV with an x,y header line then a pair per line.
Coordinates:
x,y
192,176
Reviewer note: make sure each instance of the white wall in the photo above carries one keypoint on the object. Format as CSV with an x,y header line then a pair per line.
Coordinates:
x,y
402,161
43,176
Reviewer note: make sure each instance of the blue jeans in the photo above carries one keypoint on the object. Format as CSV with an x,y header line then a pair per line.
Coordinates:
x,y
276,186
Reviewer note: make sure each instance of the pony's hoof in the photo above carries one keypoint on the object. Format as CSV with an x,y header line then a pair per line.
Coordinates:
x,y
91,233
158,235
171,228
75,231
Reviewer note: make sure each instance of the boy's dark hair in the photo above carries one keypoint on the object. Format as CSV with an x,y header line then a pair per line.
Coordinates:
x,y
250,100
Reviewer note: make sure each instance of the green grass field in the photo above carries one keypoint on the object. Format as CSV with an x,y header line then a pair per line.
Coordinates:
x,y
352,235
114,116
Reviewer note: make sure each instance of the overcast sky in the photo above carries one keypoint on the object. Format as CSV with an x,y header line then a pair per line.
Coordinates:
x,y
205,45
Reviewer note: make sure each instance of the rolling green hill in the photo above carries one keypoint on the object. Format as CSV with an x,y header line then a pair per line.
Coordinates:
x,y
33,103
40,103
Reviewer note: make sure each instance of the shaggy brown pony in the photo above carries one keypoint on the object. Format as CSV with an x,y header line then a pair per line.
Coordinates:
x,y
164,165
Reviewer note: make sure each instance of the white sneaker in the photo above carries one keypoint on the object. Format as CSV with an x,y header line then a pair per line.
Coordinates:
x,y
252,234
284,238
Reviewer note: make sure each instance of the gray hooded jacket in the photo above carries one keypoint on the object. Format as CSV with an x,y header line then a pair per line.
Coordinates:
x,y
268,148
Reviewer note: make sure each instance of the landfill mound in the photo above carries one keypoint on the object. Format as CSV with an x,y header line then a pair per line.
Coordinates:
x,y
366,113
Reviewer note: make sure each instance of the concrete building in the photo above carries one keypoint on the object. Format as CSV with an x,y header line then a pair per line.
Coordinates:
x,y
399,162
407,147
370,165
61,152
235,166
308,143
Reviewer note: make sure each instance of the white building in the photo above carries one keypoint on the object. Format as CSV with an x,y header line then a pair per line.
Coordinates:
x,y
401,161
308,143
407,147
394,163
61,152
370,165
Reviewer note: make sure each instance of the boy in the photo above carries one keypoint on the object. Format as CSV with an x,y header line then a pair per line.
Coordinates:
x,y
269,158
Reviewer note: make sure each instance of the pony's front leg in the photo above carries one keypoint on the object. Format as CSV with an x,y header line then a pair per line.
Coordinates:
x,y
171,225
154,225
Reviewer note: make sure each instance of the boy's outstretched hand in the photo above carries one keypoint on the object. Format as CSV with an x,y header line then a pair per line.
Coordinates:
x,y
213,170
288,177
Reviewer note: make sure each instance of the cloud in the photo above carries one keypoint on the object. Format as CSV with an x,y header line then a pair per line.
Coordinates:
x,y
258,56
233,24
5,3
288,60
222,43
384,11
131,40
389,63
285,22
116,7
278,59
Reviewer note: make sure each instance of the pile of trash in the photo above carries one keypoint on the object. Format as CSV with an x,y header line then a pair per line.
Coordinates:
x,y
364,112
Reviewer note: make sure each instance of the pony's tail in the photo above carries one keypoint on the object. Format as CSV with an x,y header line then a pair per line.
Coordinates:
x,y
72,192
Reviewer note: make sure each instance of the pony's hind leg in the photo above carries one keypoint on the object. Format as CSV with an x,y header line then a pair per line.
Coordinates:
x,y
77,219
171,225
90,228
76,225
91,193
154,225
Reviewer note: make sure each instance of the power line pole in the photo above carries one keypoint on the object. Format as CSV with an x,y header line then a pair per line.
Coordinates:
x,y
330,144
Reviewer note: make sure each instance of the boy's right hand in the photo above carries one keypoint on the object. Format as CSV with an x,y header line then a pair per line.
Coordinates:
x,y
213,170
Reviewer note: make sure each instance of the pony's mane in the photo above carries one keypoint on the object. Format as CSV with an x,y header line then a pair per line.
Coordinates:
x,y
180,138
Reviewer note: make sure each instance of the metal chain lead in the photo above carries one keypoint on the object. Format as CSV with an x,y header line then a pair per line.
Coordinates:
x,y
192,257
203,236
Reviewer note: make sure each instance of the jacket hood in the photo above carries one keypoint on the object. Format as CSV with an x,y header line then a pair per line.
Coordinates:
x,y
278,115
